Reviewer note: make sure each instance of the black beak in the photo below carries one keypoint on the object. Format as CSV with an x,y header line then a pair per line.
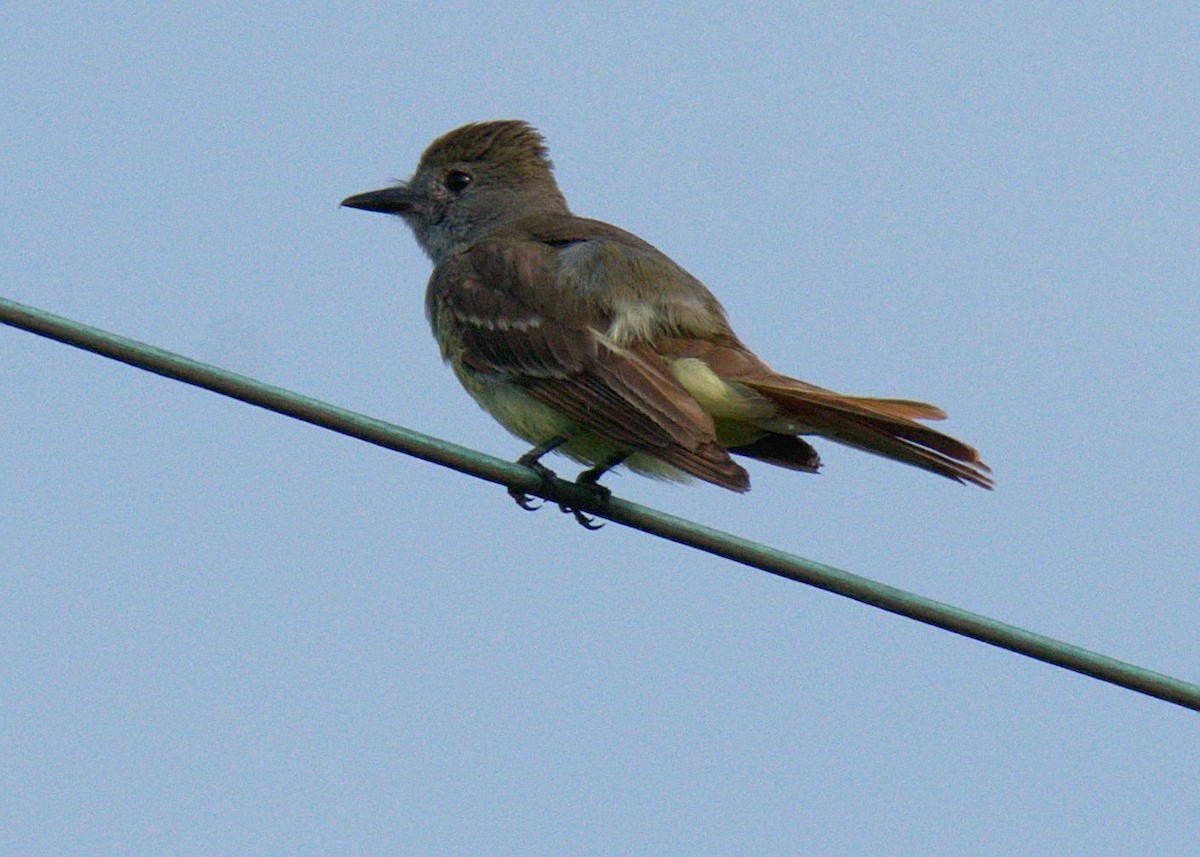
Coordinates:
x,y
391,200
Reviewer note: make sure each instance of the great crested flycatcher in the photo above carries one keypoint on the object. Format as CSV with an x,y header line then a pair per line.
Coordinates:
x,y
582,338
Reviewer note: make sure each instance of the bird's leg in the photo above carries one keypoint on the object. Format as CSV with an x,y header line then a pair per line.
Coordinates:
x,y
532,460
590,478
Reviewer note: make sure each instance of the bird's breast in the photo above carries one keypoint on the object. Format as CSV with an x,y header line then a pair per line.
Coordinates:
x,y
511,406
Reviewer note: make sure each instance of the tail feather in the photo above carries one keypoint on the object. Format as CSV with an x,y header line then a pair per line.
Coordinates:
x,y
782,450
886,427
871,439
900,408
881,426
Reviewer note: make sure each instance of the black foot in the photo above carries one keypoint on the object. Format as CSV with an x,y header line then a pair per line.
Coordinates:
x,y
582,518
524,500
590,479
544,473
586,521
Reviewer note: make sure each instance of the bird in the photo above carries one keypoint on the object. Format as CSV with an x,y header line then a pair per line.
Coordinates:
x,y
583,339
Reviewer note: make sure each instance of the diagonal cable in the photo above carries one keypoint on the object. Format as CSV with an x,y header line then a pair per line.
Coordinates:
x,y
568,494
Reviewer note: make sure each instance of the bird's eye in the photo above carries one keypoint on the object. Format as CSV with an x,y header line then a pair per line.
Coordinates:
x,y
457,181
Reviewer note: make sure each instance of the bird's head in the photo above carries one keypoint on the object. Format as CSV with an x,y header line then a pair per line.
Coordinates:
x,y
469,182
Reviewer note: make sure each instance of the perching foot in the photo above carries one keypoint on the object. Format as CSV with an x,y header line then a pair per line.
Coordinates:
x,y
531,460
544,473
590,479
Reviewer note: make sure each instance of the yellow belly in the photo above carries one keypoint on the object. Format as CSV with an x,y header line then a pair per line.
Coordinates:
x,y
536,423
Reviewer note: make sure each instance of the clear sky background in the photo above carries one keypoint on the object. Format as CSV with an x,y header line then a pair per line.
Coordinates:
x,y
225,632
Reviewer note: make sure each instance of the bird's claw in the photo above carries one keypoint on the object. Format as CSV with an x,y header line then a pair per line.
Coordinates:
x,y
529,504
586,521
543,472
588,480
582,518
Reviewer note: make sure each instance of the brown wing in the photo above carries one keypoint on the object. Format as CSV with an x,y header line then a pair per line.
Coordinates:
x,y
481,302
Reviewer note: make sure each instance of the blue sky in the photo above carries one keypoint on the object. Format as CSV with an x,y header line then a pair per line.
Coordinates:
x,y
226,632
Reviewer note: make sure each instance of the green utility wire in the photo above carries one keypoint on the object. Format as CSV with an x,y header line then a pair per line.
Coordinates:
x,y
568,494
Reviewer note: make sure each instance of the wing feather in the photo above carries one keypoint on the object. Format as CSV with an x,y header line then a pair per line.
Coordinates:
x,y
627,395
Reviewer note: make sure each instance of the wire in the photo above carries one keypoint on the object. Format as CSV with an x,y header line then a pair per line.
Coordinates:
x,y
568,494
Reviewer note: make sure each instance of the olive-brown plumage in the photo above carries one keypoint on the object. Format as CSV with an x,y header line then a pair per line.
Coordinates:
x,y
578,336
